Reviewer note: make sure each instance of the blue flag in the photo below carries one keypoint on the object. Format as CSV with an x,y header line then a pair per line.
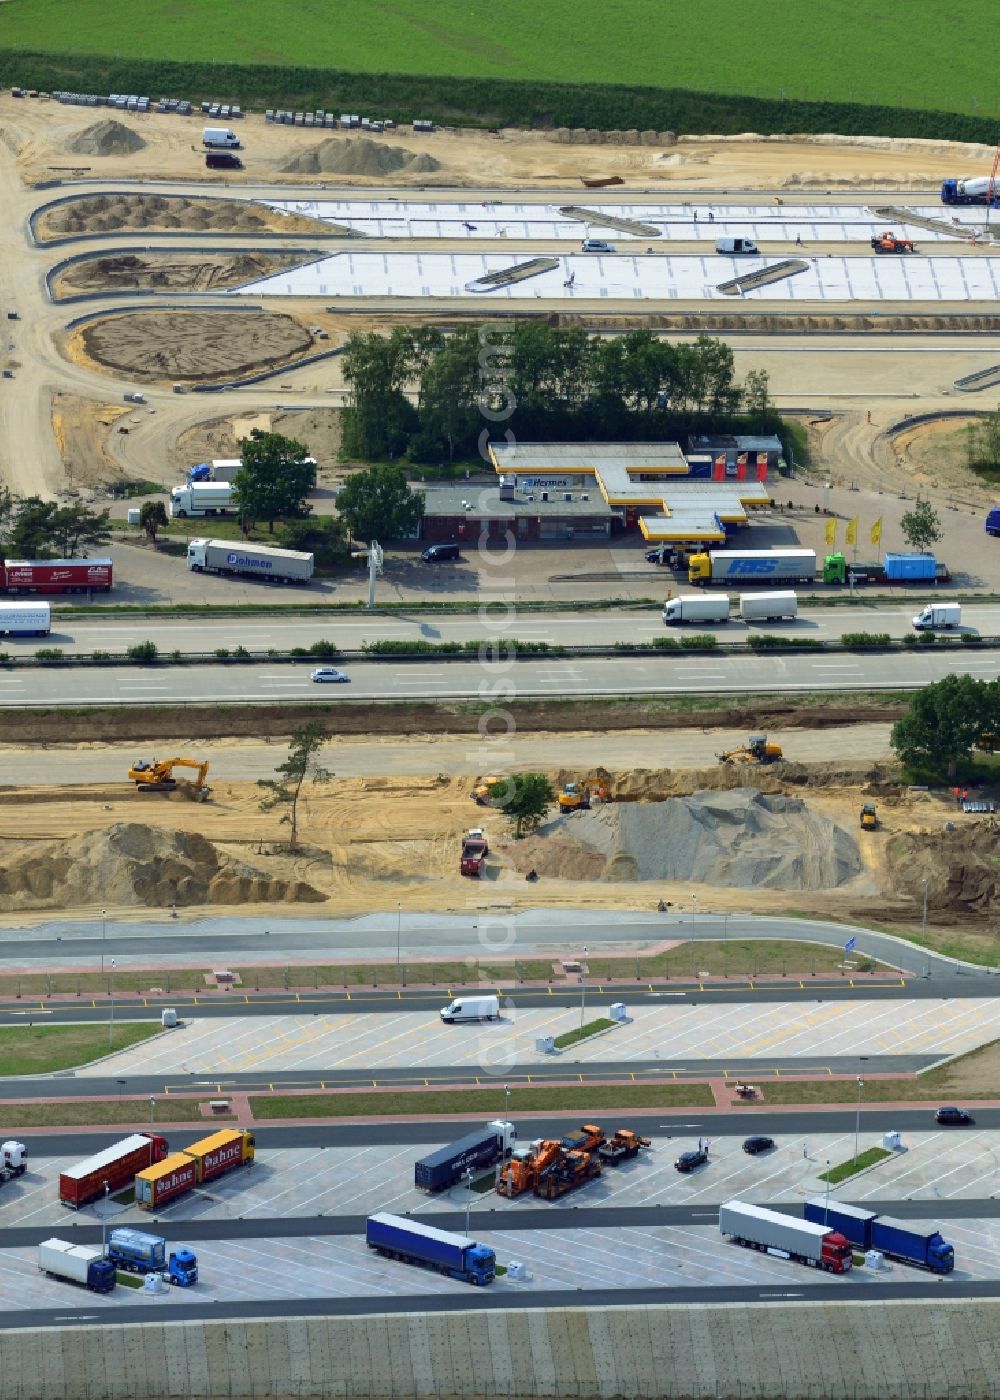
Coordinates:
x,y
851,944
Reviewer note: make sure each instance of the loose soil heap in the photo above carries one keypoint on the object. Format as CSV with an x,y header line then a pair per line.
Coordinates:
x,y
962,869
130,863
124,213
738,839
199,345
106,138
198,272
359,157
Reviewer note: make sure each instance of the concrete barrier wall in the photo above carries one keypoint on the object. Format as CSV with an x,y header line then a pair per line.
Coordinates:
x,y
838,1351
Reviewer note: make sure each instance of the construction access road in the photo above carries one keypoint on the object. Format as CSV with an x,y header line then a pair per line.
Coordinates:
x,y
684,673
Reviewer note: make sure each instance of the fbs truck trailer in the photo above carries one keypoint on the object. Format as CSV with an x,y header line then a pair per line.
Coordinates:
x,y
753,566
415,1243
249,561
755,1227
905,1240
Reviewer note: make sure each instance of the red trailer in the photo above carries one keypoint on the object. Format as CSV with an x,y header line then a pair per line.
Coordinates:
x,y
172,1177
116,1165
57,575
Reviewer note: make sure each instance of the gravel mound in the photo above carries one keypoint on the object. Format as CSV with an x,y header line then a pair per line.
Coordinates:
x,y
357,157
106,138
740,839
131,863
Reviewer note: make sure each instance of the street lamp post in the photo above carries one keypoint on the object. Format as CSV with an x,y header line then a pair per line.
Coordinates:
x,y
468,1199
104,1222
104,934
583,989
152,1110
506,1102
399,930
923,928
111,1023
857,1120
826,1213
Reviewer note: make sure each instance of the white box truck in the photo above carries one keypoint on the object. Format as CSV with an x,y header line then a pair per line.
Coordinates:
x,y
201,498
697,607
77,1263
768,607
25,619
938,615
249,561
219,138
471,1009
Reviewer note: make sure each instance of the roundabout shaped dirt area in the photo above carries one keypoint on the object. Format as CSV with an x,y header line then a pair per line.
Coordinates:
x,y
189,345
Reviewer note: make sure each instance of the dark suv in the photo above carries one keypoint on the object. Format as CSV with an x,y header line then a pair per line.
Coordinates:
x,y
757,1144
434,553
954,1116
691,1161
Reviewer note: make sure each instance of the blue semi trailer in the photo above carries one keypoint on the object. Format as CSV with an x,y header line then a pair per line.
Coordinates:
x,y
416,1243
139,1253
904,1240
993,521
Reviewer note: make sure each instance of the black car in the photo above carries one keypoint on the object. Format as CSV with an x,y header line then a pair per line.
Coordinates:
x,y
434,553
953,1116
757,1144
691,1161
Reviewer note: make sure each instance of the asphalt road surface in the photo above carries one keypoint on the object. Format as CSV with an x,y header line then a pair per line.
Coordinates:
x,y
556,677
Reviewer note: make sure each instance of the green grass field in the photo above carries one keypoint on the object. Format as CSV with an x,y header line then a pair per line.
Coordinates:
x,y
940,59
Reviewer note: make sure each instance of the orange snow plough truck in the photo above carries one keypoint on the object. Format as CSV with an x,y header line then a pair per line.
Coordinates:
x,y
552,1167
202,1161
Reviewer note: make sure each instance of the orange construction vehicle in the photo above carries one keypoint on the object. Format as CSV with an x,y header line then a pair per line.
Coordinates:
x,y
520,1173
566,1172
621,1147
887,242
579,796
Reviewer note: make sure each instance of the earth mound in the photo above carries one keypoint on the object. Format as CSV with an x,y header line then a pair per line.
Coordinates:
x,y
106,138
740,839
357,157
131,863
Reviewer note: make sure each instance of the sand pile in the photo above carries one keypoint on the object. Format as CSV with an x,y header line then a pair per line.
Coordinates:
x,y
960,866
130,863
740,839
106,138
358,157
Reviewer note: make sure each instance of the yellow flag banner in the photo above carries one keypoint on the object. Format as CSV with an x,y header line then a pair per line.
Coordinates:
x,y
851,533
876,535
831,532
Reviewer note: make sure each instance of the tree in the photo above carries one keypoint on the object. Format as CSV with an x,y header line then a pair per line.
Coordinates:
x,y
379,419
983,444
301,763
41,529
524,798
152,517
756,394
943,722
449,392
377,504
323,536
921,526
274,480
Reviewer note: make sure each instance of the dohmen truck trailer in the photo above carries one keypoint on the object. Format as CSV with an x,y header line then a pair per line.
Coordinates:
x,y
139,1253
416,1243
475,1151
77,1263
755,1227
800,566
116,1166
249,561
202,1161
896,1239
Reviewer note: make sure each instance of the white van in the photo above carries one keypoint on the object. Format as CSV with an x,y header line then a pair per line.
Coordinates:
x,y
471,1009
596,245
736,245
219,136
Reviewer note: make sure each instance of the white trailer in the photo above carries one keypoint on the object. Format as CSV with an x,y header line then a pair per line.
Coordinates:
x,y
225,468
77,1263
696,607
25,619
768,607
788,1236
201,498
249,561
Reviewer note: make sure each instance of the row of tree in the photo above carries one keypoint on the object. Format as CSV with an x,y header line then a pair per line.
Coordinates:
x,y
31,528
428,396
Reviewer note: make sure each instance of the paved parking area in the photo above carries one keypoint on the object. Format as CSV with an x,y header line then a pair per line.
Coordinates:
x,y
933,1166
668,1033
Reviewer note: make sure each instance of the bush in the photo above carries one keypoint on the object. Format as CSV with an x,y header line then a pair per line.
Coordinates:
x,y
666,643
417,648
101,656
912,639
866,640
242,653
222,653
699,641
767,641
324,650
970,639
927,639
143,651
50,654
175,655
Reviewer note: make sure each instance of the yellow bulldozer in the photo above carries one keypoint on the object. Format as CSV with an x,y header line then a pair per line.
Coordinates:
x,y
158,776
756,750
869,817
482,791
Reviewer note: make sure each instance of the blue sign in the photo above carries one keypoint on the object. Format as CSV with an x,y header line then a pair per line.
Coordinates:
x,y
851,944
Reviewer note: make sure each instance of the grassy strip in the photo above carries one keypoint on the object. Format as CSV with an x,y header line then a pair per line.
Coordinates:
x,y
475,1101
88,1112
129,1280
297,608
45,1049
583,1032
843,1170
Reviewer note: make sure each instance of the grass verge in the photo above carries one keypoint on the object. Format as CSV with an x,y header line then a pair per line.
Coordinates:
x,y
45,1049
129,1280
843,1170
583,1032
387,1105
87,1112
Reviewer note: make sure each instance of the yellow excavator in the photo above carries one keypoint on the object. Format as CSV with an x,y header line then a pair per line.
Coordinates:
x,y
483,789
576,797
158,776
756,750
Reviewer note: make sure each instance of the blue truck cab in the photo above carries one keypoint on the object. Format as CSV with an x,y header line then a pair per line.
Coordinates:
x,y
139,1253
399,1237
993,521
909,1242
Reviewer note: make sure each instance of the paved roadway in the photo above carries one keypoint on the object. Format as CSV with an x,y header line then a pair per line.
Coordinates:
x,y
448,936
556,677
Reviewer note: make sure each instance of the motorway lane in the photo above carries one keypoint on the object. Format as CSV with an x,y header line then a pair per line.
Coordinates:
x,y
685,673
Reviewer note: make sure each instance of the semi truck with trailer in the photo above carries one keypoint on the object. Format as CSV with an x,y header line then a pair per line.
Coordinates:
x,y
905,1240
201,498
77,1263
115,1166
447,1165
697,607
416,1243
25,619
56,576
762,566
978,190
203,1161
755,1227
249,561
769,607
139,1253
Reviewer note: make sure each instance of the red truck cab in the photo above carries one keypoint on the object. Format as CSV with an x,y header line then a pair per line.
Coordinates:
x,y
475,849
836,1253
